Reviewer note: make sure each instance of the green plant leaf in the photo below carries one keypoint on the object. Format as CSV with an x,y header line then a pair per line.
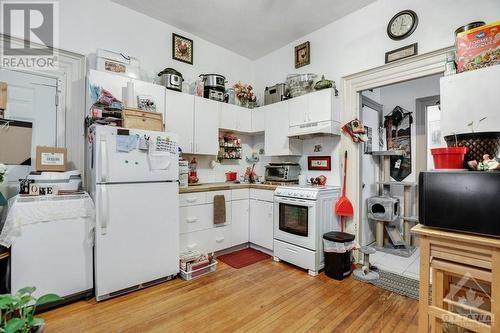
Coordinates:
x,y
37,322
48,299
6,301
14,325
26,290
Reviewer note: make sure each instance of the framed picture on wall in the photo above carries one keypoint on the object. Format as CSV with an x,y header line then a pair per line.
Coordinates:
x,y
182,49
319,163
302,55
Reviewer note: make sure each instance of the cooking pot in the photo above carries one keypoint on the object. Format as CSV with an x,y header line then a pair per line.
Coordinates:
x,y
214,81
171,79
231,176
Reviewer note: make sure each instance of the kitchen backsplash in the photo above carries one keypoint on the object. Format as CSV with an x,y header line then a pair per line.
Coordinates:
x,y
253,144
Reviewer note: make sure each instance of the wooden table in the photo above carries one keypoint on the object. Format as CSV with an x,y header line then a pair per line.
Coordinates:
x,y
458,263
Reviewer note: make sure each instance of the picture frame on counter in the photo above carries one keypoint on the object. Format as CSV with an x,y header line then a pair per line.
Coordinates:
x,y
182,48
302,55
323,163
401,53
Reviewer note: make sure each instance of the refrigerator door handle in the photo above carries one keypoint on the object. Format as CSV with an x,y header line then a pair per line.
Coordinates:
x,y
104,160
104,210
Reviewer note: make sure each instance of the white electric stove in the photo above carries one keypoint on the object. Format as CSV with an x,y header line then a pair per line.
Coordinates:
x,y
302,214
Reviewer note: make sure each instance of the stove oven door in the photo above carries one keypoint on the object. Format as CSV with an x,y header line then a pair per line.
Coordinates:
x,y
295,221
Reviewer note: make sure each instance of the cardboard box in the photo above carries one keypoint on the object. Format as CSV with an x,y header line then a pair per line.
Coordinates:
x,y
51,158
478,48
18,133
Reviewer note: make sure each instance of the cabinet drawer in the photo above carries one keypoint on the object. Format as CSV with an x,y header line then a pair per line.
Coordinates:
x,y
197,240
190,199
294,254
142,114
221,238
264,195
241,194
143,123
194,218
212,194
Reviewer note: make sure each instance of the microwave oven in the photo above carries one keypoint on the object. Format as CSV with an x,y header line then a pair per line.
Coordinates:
x,y
464,201
282,172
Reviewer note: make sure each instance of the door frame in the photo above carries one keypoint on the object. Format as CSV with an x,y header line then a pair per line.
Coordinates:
x,y
70,107
421,105
352,85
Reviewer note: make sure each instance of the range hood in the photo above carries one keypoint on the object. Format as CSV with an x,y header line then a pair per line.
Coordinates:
x,y
311,130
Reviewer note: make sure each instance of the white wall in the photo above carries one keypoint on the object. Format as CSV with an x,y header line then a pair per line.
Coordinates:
x,y
404,95
91,24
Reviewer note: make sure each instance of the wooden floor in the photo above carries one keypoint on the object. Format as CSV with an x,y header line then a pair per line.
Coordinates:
x,y
263,297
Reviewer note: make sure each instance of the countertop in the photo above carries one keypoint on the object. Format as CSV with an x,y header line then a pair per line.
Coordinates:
x,y
225,186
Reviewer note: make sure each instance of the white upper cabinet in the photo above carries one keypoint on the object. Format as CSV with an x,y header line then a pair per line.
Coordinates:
x,y
179,118
276,139
468,97
206,126
258,120
235,118
310,108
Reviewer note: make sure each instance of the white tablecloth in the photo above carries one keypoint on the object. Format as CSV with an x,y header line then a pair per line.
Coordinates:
x,y
25,210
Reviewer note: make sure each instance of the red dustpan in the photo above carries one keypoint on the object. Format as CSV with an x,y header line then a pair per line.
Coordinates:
x,y
343,207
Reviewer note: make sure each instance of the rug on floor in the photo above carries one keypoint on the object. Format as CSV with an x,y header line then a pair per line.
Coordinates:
x,y
397,283
243,258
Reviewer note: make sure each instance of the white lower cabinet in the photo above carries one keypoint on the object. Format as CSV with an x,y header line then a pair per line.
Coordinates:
x,y
240,215
261,223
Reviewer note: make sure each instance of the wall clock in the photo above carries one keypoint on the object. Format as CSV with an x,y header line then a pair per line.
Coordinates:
x,y
402,25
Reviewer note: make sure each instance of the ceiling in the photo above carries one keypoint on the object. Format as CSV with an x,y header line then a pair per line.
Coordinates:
x,y
250,28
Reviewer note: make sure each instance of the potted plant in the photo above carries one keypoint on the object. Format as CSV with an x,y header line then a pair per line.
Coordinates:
x,y
17,311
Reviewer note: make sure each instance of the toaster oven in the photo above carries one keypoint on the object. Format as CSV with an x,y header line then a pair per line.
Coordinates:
x,y
282,172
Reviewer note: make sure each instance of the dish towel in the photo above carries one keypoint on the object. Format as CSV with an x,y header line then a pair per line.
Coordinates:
x,y
219,209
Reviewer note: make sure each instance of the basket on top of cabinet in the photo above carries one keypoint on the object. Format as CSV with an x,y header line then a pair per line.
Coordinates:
x,y
140,119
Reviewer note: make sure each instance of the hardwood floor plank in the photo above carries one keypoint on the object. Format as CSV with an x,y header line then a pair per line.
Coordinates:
x,y
264,297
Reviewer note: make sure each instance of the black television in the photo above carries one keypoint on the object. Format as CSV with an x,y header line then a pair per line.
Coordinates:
x,y
467,201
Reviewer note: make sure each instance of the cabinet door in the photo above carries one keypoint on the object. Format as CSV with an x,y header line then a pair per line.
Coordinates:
x,y
244,120
276,141
240,215
259,119
206,126
320,105
261,223
179,118
297,110
228,115
156,92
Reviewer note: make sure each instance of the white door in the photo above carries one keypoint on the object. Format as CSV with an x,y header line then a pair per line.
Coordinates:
x,y
228,116
261,223
276,141
179,118
137,234
240,215
206,126
258,119
298,109
32,98
370,174
320,105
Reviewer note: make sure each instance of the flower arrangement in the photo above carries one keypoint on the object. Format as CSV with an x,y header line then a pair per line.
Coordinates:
x,y
244,92
3,172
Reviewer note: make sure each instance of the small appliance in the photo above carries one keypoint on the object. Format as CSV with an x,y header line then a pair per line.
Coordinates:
x,y
302,214
282,172
69,181
171,79
276,93
214,86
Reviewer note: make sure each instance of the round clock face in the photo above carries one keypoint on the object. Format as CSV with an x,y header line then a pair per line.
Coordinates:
x,y
402,25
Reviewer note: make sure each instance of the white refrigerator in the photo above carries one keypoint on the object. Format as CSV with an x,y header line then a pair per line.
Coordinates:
x,y
133,179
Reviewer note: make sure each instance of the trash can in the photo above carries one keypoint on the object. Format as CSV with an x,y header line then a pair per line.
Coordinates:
x,y
337,251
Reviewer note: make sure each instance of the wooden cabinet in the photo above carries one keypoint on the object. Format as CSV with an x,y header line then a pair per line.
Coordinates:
x,y
135,118
261,223
179,118
206,126
235,118
276,142
310,108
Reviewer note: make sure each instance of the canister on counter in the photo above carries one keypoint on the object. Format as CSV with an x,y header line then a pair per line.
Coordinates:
x,y
183,173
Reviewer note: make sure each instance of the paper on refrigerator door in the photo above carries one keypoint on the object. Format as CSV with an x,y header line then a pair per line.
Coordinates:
x,y
161,152
126,143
